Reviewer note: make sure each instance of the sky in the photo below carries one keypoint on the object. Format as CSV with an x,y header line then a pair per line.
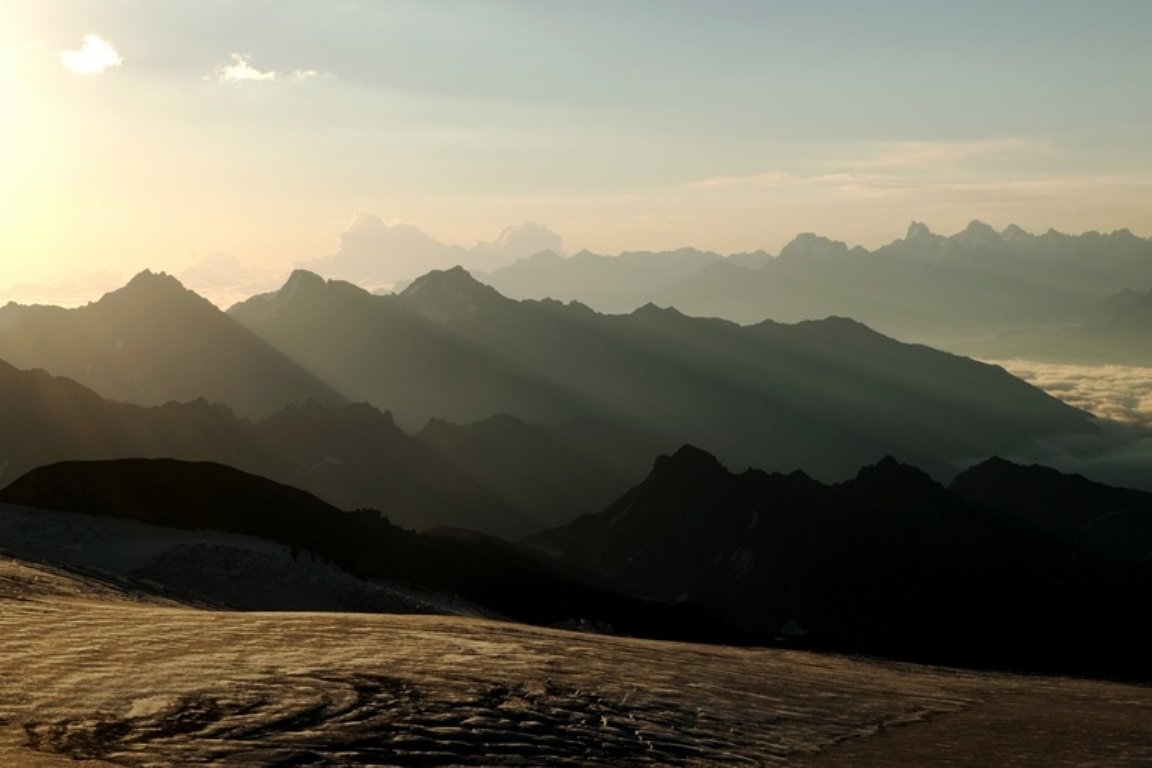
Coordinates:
x,y
228,141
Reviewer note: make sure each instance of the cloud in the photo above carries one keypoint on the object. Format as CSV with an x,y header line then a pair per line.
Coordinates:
x,y
1120,450
94,57
936,155
66,292
240,70
1117,392
224,280
378,254
516,242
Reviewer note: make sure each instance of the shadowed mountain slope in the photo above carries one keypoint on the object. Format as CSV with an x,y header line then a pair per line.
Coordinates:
x,y
200,495
354,456
533,467
825,395
154,341
1014,566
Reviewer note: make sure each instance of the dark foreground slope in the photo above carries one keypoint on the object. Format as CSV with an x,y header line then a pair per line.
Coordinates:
x,y
1014,566
89,677
826,396
484,570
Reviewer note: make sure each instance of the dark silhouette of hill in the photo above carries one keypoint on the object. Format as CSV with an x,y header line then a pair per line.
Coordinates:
x,y
49,418
1020,567
350,455
955,290
1084,532
153,341
485,570
823,395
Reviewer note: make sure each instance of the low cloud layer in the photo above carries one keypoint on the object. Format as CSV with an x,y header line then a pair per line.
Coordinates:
x,y
1117,392
1120,452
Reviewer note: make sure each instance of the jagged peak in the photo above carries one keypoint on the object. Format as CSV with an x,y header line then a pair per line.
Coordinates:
x,y
891,476
153,282
810,244
454,280
448,294
689,460
651,310
918,229
300,278
149,287
303,282
1013,232
979,231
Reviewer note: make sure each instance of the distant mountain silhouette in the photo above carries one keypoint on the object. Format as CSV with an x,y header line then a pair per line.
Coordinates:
x,y
610,283
1117,330
1013,566
154,341
822,395
954,290
487,571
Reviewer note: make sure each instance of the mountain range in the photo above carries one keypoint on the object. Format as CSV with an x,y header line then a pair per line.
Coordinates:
x,y
451,405
1011,565
354,455
824,395
958,292
1117,330
207,497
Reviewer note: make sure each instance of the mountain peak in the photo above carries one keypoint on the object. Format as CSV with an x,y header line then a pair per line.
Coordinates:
x,y
917,229
154,283
302,278
454,280
148,288
689,461
1012,233
979,232
445,294
808,245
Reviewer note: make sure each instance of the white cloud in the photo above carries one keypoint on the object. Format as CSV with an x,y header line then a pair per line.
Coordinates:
x,y
376,253
240,70
94,57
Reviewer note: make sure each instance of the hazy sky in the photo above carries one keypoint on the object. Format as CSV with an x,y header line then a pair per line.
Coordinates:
x,y
246,136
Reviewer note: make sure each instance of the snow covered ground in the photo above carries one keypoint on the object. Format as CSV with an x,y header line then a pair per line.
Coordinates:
x,y
97,676
212,568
